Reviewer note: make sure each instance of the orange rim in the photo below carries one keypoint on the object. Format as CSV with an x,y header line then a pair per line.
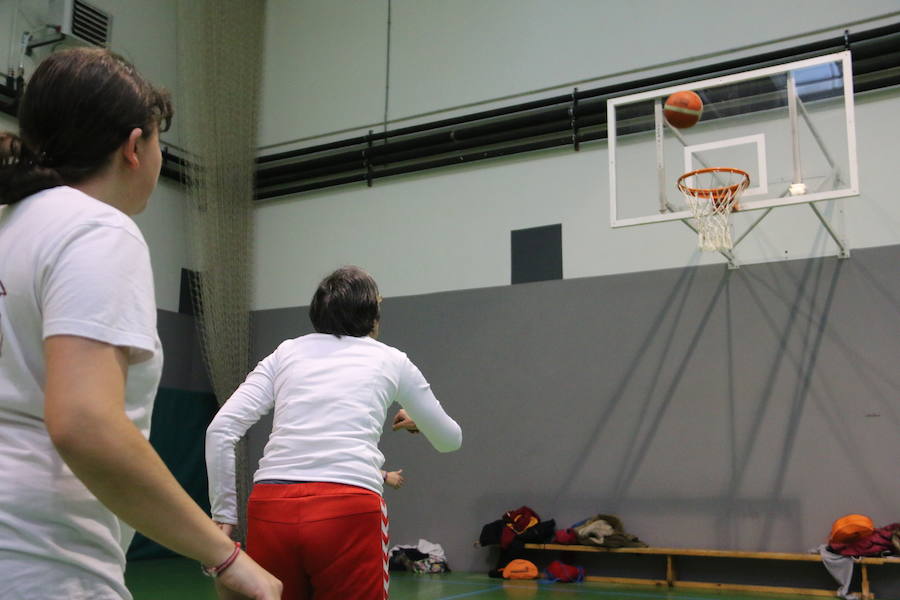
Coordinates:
x,y
717,193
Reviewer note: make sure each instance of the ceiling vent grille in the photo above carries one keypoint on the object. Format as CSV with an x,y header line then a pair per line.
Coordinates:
x,y
90,24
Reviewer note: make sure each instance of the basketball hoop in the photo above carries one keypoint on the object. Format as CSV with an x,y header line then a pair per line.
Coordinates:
x,y
713,194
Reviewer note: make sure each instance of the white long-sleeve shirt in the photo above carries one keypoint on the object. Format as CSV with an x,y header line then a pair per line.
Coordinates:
x,y
331,396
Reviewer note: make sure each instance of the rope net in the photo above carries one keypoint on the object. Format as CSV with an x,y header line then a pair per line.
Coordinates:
x,y
220,45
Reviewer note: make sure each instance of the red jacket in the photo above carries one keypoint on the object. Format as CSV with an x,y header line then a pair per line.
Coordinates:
x,y
517,521
875,544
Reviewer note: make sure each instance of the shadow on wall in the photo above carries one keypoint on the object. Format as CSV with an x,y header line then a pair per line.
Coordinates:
x,y
799,339
741,410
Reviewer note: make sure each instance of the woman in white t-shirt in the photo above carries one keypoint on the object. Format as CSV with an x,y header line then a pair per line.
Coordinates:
x,y
316,518
80,358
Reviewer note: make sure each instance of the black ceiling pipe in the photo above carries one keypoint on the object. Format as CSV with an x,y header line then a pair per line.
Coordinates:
x,y
453,142
890,79
174,174
880,62
760,105
556,142
558,120
877,84
431,144
380,151
551,120
302,170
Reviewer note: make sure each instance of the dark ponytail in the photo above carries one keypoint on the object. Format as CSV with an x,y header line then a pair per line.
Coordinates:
x,y
79,106
20,172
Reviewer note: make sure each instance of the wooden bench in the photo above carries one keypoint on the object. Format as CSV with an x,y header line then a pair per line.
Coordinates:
x,y
671,578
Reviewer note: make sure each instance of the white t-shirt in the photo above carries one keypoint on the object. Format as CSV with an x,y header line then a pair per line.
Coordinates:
x,y
331,397
69,265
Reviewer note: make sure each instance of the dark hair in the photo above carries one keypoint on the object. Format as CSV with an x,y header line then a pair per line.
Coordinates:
x,y
79,106
346,303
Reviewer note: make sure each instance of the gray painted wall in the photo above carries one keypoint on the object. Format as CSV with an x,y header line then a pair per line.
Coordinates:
x,y
707,408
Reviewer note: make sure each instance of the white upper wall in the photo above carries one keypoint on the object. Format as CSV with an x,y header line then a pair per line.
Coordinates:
x,y
446,54
164,225
144,32
450,229
325,70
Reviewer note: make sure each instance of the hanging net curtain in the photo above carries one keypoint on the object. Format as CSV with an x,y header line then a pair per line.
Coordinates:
x,y
220,49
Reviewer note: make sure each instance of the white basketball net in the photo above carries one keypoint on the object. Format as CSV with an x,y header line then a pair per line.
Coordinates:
x,y
713,195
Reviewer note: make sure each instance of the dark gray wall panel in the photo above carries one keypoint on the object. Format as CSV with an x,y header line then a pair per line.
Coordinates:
x,y
183,365
536,254
271,327
707,408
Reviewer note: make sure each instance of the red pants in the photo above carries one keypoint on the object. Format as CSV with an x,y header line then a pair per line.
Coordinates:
x,y
326,541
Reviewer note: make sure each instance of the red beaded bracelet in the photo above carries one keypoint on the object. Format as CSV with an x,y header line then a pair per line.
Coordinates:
x,y
217,570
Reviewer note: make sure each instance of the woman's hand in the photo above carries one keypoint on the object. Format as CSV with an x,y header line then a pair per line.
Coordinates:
x,y
246,579
228,528
402,421
395,479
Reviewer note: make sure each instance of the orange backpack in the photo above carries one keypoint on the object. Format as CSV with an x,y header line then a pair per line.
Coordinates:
x,y
520,569
850,528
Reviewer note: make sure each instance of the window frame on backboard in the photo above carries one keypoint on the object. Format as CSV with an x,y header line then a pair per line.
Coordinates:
x,y
759,139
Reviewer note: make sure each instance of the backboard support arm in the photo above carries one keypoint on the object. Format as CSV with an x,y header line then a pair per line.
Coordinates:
x,y
795,126
660,158
843,249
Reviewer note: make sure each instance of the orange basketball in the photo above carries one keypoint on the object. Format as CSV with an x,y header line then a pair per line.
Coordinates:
x,y
683,109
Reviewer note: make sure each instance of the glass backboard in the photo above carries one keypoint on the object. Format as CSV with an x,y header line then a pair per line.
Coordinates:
x,y
790,127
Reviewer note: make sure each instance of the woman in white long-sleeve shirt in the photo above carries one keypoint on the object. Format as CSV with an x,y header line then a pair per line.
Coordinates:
x,y
316,518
